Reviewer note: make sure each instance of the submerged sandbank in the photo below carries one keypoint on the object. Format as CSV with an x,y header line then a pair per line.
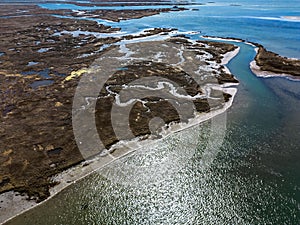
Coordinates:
x,y
291,17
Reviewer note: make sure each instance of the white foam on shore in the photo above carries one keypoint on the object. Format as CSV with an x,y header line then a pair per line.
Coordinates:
x,y
281,18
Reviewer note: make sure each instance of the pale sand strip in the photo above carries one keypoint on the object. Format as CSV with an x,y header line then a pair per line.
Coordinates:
x,y
12,204
228,40
227,57
268,74
230,55
253,66
221,39
291,17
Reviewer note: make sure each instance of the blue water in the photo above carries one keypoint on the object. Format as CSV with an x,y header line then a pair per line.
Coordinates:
x,y
254,180
40,83
44,73
54,6
256,21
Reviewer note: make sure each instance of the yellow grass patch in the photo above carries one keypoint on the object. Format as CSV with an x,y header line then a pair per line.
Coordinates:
x,y
7,152
58,104
7,162
76,74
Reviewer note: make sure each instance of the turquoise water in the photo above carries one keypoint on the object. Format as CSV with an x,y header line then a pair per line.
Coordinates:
x,y
76,7
255,177
256,21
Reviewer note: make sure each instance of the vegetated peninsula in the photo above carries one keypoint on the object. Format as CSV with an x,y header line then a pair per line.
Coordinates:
x,y
269,63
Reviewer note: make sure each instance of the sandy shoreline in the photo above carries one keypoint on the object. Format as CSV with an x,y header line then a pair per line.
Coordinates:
x,y
256,70
230,55
227,57
13,204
